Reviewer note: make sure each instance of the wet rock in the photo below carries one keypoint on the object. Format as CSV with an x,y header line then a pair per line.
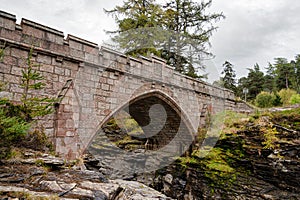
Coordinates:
x,y
168,179
136,191
68,184
110,190
82,193
49,161
92,176
22,192
50,185
35,171
99,195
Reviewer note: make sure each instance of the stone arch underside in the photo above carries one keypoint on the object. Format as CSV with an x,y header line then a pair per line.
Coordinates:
x,y
165,125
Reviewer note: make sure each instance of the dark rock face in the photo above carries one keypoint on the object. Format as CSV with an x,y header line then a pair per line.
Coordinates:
x,y
261,173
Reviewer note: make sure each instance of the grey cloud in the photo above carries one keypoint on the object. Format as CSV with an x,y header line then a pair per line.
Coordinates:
x,y
256,31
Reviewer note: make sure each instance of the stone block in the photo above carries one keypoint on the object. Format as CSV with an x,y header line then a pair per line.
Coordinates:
x,y
67,108
110,81
90,57
15,88
5,68
63,79
50,37
50,77
62,117
61,123
67,72
7,21
9,60
28,30
76,53
75,45
70,123
48,123
59,70
47,68
11,35
70,133
91,49
19,53
104,87
12,78
61,132
70,65
44,59
103,80
17,96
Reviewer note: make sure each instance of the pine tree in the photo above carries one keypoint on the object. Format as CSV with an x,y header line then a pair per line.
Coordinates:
x,y
255,81
138,27
229,76
295,64
241,85
284,73
269,79
168,31
192,27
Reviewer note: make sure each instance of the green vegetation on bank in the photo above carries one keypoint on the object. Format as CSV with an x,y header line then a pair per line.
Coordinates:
x,y
284,97
219,163
241,134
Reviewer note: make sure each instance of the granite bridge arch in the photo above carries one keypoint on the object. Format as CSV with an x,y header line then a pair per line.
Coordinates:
x,y
160,119
92,82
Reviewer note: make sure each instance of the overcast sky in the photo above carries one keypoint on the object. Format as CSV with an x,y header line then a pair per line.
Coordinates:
x,y
254,31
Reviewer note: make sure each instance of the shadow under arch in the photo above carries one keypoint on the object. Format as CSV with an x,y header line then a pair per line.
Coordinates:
x,y
140,105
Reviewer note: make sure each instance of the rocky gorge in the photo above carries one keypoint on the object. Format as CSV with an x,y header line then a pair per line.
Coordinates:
x,y
256,157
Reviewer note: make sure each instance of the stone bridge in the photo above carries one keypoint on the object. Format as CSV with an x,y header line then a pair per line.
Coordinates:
x,y
94,83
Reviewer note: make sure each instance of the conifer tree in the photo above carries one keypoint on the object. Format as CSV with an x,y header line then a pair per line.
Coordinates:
x,y
175,31
33,106
137,23
228,79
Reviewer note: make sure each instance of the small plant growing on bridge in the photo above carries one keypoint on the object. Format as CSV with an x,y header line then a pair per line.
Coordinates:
x,y
33,106
2,49
16,118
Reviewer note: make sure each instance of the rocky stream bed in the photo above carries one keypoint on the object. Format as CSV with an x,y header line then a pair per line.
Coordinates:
x,y
256,157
